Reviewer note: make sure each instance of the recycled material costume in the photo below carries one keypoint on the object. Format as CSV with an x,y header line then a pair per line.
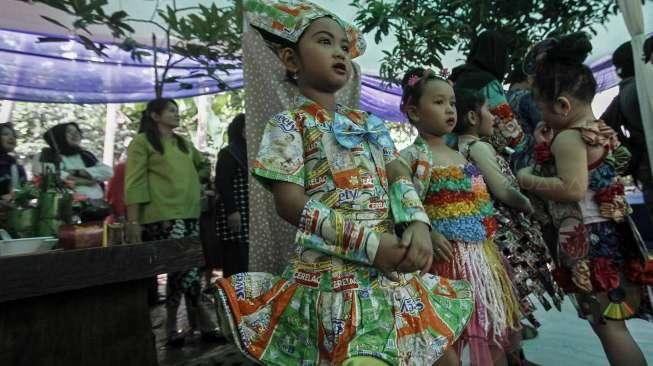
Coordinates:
x,y
519,238
459,207
330,305
598,245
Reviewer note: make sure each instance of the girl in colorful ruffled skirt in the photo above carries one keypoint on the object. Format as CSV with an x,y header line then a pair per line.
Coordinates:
x,y
462,217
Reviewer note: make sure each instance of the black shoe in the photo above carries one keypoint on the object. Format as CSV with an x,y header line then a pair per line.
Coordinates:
x,y
213,336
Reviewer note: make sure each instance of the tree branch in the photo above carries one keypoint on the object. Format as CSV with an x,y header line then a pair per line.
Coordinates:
x,y
146,21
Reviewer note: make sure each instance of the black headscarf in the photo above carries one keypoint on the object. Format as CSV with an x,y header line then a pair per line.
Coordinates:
x,y
6,162
622,58
55,137
648,50
237,144
487,61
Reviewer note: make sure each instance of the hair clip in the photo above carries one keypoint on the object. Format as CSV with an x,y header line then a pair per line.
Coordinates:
x,y
413,80
444,73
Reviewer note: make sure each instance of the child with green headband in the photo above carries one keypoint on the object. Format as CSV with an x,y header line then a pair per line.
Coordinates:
x,y
353,293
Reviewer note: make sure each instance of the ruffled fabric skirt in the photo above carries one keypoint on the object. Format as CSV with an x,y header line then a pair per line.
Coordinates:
x,y
616,269
293,320
495,322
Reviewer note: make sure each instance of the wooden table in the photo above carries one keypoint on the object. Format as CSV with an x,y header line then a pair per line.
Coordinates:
x,y
86,306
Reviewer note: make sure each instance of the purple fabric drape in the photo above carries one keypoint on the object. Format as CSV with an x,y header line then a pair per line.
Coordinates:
x,y
65,72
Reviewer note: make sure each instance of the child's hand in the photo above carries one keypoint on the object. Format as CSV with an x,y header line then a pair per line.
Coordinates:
x,y
389,255
417,239
442,249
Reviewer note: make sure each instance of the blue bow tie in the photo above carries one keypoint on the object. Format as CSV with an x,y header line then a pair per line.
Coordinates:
x,y
350,134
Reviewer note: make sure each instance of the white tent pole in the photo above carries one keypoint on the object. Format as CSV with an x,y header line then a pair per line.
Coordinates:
x,y
110,128
633,17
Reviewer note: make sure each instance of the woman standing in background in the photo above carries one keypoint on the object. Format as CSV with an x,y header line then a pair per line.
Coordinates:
x,y
233,202
162,192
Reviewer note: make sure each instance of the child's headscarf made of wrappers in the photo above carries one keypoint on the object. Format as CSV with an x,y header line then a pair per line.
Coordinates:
x,y
289,19
268,92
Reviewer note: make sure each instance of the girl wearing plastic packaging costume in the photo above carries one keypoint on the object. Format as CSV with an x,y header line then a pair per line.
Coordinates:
x,y
519,238
462,216
578,173
333,173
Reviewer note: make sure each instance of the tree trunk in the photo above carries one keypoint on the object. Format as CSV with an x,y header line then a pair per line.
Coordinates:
x,y
110,133
203,103
5,111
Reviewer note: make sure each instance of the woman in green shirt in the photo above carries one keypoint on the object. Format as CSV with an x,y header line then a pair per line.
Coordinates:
x,y
162,192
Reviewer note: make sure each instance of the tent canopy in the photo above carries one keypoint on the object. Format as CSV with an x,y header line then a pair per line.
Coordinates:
x,y
66,72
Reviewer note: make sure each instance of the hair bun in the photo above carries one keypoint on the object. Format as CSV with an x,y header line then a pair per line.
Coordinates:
x,y
570,49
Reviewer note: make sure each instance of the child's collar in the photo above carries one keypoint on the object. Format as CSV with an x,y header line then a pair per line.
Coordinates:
x,y
322,115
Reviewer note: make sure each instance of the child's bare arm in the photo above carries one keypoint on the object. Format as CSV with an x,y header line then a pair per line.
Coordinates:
x,y
289,201
486,159
571,182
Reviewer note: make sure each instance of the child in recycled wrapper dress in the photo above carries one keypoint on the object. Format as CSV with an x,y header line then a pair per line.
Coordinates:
x,y
519,238
577,172
462,217
334,173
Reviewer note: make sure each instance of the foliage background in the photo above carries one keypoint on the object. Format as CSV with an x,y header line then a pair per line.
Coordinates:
x,y
32,120
426,29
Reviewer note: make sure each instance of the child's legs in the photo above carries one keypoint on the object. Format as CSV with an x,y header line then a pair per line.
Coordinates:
x,y
618,344
449,358
498,356
198,317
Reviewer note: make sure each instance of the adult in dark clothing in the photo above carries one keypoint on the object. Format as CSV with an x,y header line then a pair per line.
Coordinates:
x,y
233,199
484,71
648,50
623,113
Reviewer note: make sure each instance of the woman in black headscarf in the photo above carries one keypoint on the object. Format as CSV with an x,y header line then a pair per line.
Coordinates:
x,y
233,200
12,174
484,71
65,155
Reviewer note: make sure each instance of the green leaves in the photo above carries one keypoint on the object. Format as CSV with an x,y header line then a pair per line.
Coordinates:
x,y
426,29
